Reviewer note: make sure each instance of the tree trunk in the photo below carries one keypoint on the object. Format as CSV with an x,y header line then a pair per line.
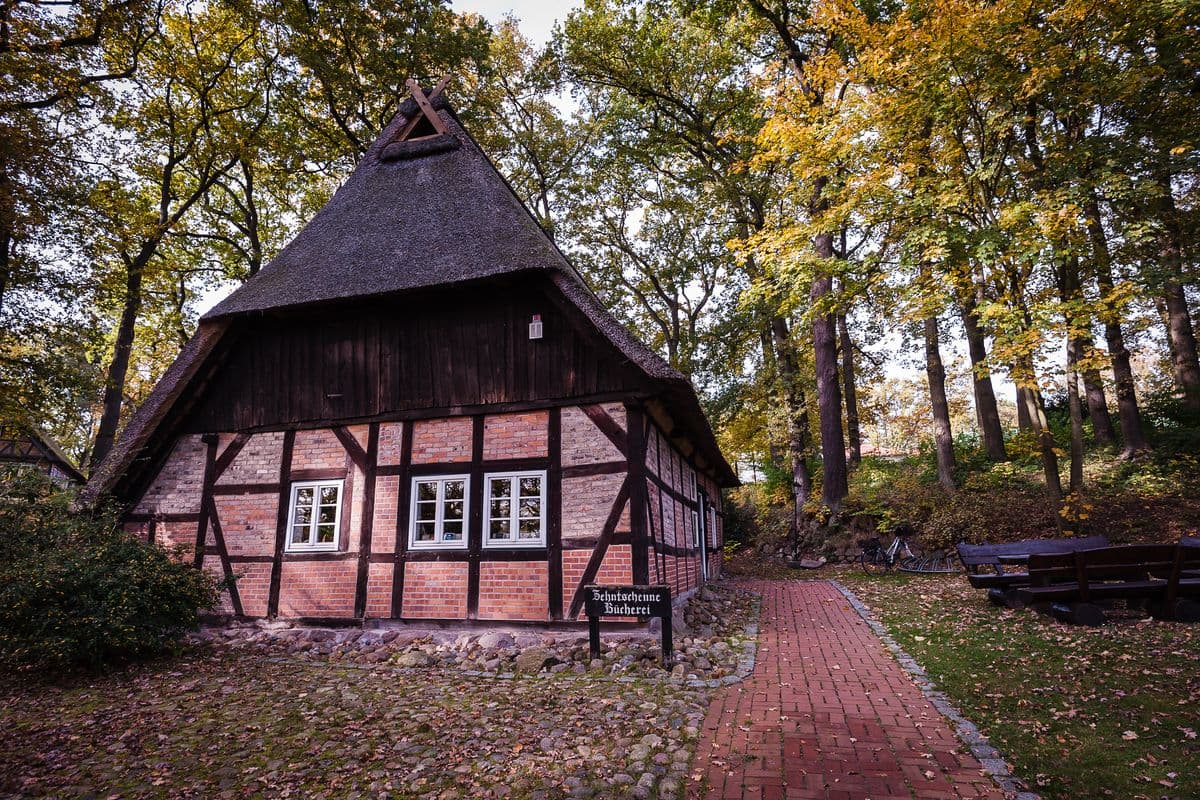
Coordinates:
x,y
114,387
943,437
834,486
797,408
986,411
6,231
1097,403
1024,420
1037,414
1029,400
1076,411
853,434
1127,405
5,245
1179,321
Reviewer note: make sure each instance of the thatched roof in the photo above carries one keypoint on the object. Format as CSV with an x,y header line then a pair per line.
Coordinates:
x,y
433,211
405,219
51,450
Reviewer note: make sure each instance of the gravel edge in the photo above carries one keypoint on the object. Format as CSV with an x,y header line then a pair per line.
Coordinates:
x,y
992,760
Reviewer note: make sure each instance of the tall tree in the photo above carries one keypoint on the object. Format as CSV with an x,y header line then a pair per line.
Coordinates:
x,y
199,100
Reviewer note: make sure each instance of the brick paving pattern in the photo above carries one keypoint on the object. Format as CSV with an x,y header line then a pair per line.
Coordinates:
x,y
828,713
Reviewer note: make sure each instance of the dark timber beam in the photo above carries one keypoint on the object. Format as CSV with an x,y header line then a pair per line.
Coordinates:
x,y
554,476
281,521
636,454
402,508
369,465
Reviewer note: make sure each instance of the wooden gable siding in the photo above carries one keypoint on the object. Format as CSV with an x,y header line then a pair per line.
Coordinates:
x,y
438,350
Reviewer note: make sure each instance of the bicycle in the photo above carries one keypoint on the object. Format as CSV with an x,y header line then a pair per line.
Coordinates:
x,y
877,559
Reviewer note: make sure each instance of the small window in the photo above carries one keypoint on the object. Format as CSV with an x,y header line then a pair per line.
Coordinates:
x,y
439,511
316,515
516,510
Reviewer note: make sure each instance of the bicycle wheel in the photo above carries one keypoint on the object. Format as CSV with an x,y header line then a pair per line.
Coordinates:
x,y
874,562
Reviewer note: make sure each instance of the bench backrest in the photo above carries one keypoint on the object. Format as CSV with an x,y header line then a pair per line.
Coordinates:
x,y
1122,562
977,555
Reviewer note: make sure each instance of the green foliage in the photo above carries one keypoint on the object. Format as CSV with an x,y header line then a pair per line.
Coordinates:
x,y
76,591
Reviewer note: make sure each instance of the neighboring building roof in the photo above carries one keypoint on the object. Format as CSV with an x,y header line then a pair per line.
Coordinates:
x,y
432,211
37,447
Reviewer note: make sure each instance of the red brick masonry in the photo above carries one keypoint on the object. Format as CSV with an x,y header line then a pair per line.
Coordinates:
x,y
827,713
247,493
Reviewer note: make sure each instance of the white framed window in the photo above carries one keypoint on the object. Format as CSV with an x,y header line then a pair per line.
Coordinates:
x,y
316,515
439,511
516,509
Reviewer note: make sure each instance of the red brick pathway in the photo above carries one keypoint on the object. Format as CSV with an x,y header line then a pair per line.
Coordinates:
x,y
828,713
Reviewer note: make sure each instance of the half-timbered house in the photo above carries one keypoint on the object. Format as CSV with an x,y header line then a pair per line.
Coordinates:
x,y
418,410
25,446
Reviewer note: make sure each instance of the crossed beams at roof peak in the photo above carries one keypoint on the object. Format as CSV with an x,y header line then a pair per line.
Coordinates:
x,y
425,103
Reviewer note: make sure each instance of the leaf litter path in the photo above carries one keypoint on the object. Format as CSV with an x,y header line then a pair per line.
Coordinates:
x,y
828,713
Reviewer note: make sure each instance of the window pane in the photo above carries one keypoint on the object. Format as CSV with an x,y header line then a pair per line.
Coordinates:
x,y
329,494
452,532
531,486
500,508
325,534
303,515
454,490
299,534
426,490
501,487
531,508
531,529
427,511
499,529
328,515
304,496
425,531
453,510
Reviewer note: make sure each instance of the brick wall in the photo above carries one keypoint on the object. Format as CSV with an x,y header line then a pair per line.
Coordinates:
x,y
586,504
258,460
176,488
513,590
383,529
379,590
318,588
515,435
441,440
254,586
248,522
617,567
583,442
435,590
316,449
390,440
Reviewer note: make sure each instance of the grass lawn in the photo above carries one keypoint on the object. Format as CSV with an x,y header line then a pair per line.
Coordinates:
x,y
225,723
1081,712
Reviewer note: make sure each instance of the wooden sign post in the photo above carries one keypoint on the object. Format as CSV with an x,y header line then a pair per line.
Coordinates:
x,y
629,601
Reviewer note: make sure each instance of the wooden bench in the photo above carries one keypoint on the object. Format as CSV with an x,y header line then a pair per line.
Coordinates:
x,y
985,562
1071,586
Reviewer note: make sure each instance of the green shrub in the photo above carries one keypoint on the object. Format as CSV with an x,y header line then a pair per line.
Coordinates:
x,y
75,591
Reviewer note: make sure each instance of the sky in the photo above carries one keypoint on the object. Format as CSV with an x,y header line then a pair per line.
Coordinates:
x,y
537,16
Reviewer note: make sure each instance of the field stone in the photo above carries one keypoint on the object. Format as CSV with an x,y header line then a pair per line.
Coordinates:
x,y
495,639
533,659
414,658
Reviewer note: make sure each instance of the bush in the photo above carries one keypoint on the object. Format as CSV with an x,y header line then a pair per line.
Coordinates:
x,y
75,591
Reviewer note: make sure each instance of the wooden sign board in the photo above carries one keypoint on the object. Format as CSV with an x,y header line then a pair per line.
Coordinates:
x,y
628,601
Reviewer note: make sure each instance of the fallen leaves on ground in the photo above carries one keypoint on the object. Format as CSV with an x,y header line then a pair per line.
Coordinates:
x,y
1092,712
223,723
